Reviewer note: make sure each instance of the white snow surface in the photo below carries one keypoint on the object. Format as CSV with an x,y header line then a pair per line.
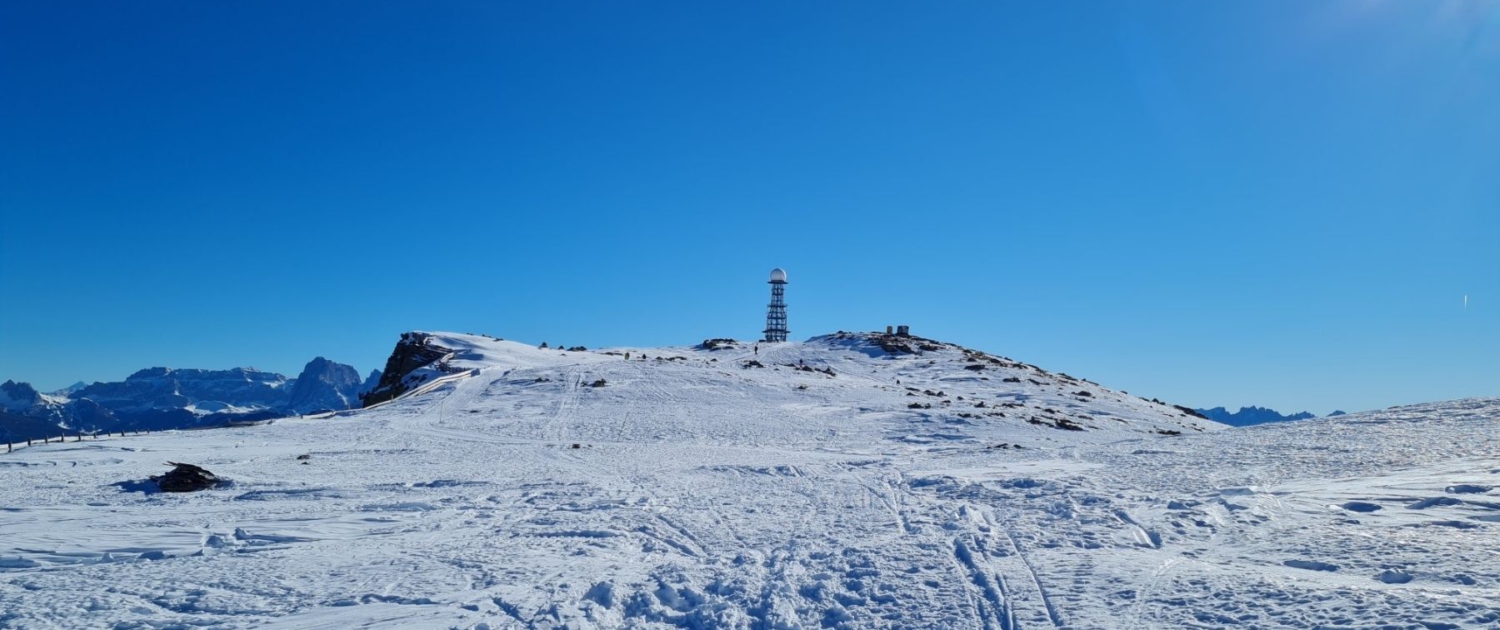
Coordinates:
x,y
706,494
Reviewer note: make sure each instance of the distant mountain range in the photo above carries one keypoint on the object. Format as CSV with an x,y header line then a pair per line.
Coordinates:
x,y
1248,416
162,398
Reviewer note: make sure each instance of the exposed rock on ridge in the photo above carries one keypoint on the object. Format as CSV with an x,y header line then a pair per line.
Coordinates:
x,y
413,352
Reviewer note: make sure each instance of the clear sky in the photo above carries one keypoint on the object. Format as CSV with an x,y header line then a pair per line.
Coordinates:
x,y
1279,203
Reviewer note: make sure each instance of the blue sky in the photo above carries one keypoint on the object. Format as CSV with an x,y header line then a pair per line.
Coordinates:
x,y
1215,203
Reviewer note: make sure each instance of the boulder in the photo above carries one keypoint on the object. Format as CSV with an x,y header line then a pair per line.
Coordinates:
x,y
185,478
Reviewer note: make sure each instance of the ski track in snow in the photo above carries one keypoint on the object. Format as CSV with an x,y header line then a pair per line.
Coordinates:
x,y
707,494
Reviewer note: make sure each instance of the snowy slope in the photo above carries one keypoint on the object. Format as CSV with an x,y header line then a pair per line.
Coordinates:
x,y
704,494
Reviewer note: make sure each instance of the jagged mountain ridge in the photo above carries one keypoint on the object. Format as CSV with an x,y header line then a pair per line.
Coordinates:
x,y
1250,416
169,388
163,398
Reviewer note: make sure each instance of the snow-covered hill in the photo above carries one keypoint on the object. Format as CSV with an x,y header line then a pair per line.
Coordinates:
x,y
513,487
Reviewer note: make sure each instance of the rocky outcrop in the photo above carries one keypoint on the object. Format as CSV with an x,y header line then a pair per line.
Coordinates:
x,y
185,478
415,351
884,344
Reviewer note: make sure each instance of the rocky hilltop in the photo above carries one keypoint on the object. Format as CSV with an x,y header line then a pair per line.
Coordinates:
x,y
415,359
962,386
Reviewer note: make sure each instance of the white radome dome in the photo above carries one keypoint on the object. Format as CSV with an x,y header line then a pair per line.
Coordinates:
x,y
778,275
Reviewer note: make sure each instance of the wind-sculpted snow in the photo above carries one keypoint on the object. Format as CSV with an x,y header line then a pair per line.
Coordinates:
x,y
690,490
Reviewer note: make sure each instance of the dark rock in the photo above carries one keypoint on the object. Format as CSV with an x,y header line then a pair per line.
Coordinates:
x,y
185,478
414,351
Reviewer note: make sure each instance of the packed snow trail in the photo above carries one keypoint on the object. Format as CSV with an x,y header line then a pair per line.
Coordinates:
x,y
704,492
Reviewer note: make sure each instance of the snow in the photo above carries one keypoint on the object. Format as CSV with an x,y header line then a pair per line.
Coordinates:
x,y
706,494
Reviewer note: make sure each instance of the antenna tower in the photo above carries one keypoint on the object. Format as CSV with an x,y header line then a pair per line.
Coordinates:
x,y
776,313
